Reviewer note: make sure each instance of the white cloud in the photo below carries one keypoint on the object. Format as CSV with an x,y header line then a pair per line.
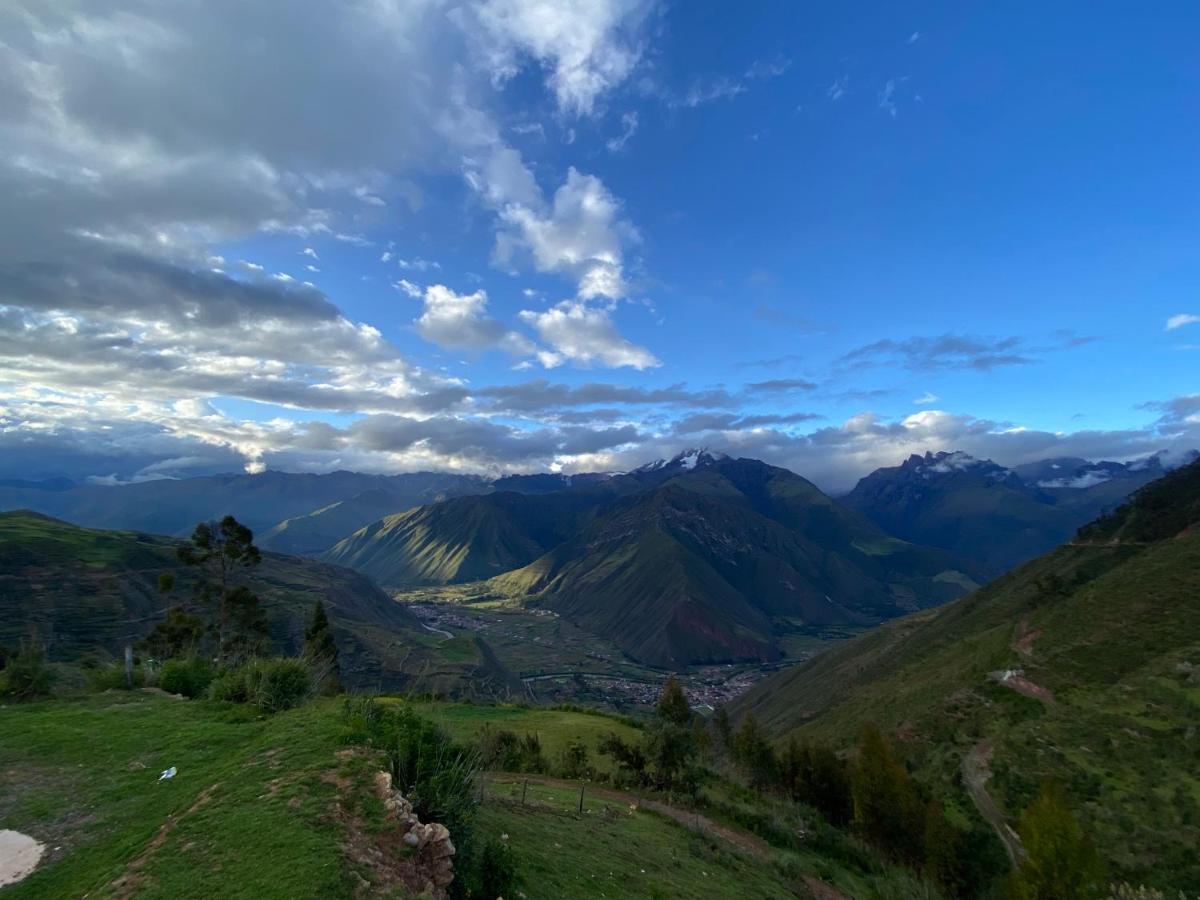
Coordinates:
x,y
1178,321
914,37
581,233
460,322
887,101
413,290
837,90
418,265
629,127
587,48
310,252
926,398
585,335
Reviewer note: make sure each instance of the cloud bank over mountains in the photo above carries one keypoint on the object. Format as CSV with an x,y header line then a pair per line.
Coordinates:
x,y
142,139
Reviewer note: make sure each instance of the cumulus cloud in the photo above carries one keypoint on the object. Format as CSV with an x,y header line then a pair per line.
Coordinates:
x,y
580,233
586,48
460,322
129,155
585,335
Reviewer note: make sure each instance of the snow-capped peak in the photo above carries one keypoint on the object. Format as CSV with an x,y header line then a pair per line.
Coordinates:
x,y
687,460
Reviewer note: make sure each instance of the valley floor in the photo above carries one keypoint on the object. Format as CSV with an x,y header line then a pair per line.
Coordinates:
x,y
557,662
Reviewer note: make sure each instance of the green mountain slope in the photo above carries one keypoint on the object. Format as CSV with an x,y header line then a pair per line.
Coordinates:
x,y
315,532
1083,665
83,589
702,566
464,539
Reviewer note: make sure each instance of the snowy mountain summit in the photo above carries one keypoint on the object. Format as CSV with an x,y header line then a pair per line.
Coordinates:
x,y
692,458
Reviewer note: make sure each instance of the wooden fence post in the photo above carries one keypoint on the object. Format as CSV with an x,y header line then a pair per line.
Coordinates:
x,y
581,787
129,666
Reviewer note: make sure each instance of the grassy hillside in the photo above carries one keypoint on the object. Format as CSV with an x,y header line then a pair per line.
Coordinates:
x,y
83,590
1101,640
279,807
315,532
465,539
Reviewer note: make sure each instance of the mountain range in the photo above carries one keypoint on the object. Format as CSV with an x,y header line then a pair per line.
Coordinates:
x,y
991,517
701,558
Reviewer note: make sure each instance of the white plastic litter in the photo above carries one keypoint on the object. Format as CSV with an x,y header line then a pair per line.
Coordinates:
x,y
167,773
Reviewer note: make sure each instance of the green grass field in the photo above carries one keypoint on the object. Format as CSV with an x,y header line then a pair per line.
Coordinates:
x,y
615,852
246,816
555,728
254,810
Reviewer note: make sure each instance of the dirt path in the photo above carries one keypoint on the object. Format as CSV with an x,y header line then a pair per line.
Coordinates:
x,y
131,880
976,771
1025,636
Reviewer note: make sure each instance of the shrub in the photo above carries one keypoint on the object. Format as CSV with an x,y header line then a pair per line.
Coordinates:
x,y
279,684
503,751
272,685
189,677
492,870
436,774
229,687
27,675
573,761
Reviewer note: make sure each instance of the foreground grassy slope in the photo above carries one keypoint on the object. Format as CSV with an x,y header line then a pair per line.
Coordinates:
x,y
85,590
1106,634
259,809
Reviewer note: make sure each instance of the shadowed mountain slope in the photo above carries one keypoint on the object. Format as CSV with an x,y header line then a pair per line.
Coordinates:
x,y
991,517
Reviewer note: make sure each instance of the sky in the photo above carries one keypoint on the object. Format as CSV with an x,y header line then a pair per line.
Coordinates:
x,y
528,235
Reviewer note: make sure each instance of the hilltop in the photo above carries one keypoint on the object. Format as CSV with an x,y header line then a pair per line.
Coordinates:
x,y
1081,665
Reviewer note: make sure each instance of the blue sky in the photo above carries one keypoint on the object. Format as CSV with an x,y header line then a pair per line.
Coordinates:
x,y
580,235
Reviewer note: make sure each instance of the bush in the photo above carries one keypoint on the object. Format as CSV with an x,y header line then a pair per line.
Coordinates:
x,y
272,685
229,687
492,871
436,774
503,751
280,684
189,677
27,676
573,761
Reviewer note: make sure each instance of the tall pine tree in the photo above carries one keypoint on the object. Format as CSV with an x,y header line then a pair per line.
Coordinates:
x,y
321,651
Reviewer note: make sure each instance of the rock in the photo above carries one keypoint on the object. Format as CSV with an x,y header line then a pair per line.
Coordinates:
x,y
428,868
